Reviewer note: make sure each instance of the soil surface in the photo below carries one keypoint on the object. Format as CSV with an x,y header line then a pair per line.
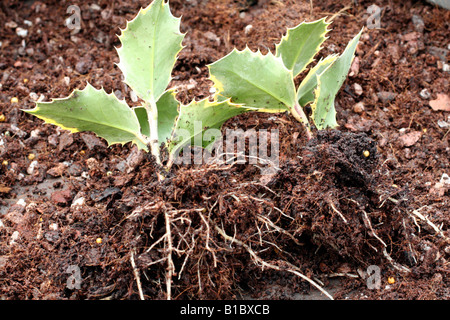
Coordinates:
x,y
362,210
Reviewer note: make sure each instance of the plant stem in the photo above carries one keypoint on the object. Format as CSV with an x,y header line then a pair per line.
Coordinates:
x,y
300,115
152,114
170,162
153,140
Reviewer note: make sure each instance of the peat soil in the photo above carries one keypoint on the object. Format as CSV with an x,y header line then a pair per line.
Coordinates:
x,y
365,206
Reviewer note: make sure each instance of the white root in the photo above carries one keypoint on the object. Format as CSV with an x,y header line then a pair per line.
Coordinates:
x,y
397,266
337,211
136,274
385,254
417,214
169,246
169,249
275,227
207,238
369,226
292,269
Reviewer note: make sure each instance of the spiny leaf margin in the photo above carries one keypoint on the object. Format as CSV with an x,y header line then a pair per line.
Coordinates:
x,y
255,80
98,112
329,83
301,43
305,91
154,29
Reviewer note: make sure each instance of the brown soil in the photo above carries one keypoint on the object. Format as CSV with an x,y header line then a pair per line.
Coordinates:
x,y
329,212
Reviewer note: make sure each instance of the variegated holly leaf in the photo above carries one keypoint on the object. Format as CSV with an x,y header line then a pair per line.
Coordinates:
x,y
301,43
150,45
196,118
93,110
305,91
255,80
328,84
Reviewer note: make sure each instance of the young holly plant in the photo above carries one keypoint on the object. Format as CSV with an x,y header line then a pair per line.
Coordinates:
x,y
244,81
150,44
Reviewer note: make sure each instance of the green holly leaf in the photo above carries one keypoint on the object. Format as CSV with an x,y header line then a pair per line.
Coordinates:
x,y
301,43
150,45
93,110
305,91
328,84
167,107
255,80
196,118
